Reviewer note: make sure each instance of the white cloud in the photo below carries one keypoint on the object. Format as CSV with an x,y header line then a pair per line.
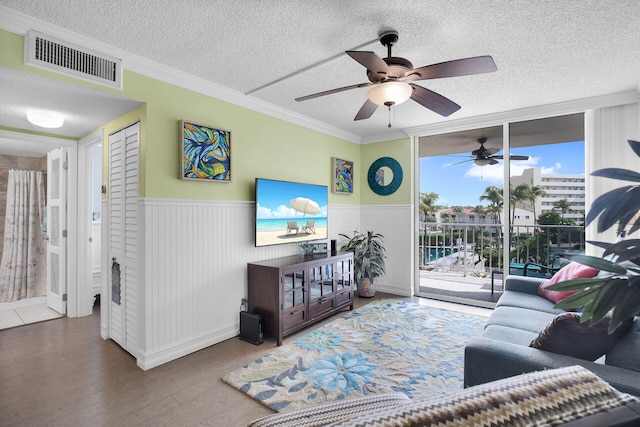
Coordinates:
x,y
551,169
262,212
283,211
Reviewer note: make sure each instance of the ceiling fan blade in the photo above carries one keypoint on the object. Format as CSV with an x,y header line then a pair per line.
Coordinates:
x,y
490,151
511,157
433,101
493,161
371,61
366,110
329,92
455,68
458,163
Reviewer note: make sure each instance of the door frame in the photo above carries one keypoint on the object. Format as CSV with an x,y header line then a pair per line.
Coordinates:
x,y
45,144
84,193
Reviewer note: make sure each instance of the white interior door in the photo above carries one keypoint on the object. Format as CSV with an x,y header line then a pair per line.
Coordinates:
x,y
123,223
56,231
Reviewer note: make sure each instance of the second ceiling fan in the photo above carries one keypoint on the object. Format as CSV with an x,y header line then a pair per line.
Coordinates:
x,y
391,79
486,156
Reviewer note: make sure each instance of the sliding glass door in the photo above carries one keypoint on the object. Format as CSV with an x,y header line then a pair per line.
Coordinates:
x,y
473,228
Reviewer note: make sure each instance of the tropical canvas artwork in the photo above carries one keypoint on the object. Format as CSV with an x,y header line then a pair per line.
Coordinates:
x,y
343,176
206,152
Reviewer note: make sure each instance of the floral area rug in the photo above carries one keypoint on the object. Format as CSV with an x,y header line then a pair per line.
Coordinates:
x,y
386,346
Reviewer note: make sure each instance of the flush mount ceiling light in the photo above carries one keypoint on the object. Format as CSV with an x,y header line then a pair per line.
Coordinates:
x,y
45,118
390,93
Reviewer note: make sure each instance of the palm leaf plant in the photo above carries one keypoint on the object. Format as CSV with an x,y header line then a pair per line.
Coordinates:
x,y
618,290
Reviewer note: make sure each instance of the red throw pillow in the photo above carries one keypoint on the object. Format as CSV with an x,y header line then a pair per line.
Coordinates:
x,y
568,272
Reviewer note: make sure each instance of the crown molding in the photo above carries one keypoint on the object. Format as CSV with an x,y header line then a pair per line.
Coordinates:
x,y
530,113
387,136
20,23
35,138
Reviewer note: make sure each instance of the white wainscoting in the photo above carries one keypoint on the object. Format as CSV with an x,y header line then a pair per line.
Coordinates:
x,y
194,258
395,223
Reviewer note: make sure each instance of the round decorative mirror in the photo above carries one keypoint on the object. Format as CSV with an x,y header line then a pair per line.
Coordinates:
x,y
385,176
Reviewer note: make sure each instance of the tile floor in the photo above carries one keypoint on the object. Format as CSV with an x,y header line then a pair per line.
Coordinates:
x,y
18,314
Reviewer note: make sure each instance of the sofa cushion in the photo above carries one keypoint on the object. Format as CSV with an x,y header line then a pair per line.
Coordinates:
x,y
625,354
520,318
566,335
529,301
508,334
570,271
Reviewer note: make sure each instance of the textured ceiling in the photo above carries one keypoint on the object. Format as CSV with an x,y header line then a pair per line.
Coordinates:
x,y
81,106
546,51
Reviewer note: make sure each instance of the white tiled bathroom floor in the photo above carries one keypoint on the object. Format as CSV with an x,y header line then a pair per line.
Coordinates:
x,y
13,314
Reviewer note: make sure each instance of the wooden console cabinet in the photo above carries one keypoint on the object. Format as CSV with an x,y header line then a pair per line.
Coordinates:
x,y
295,291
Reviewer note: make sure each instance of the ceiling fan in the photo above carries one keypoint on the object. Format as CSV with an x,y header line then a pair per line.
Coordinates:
x,y
486,156
391,79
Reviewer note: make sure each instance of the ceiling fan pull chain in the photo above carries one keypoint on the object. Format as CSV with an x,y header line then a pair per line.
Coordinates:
x,y
389,125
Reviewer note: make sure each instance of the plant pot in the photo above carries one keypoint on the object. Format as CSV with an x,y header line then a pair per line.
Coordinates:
x,y
367,287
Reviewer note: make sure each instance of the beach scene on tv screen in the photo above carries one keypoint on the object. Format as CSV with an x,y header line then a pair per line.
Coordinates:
x,y
289,212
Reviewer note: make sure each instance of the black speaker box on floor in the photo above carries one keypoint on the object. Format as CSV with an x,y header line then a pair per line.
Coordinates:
x,y
251,327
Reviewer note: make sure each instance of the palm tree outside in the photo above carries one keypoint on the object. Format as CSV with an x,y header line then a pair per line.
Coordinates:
x,y
458,210
493,195
479,210
535,191
564,206
428,202
518,194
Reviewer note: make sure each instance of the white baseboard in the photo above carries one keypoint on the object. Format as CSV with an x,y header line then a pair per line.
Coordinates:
x,y
158,357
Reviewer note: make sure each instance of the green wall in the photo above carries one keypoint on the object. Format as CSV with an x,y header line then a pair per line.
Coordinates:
x,y
402,151
261,145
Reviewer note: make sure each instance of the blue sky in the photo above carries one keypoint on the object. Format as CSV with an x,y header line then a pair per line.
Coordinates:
x,y
274,197
462,185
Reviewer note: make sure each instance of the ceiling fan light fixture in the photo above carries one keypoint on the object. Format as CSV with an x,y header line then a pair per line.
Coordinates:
x,y
45,118
482,162
390,93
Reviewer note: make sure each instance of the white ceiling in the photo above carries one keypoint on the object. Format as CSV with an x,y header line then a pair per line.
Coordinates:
x,y
546,51
80,105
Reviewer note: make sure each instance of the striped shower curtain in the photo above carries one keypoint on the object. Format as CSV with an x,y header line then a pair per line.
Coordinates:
x,y
23,267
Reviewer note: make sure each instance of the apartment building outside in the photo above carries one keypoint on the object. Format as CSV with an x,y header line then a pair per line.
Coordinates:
x,y
557,187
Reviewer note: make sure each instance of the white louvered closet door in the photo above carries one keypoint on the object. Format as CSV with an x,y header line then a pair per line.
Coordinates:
x,y
124,160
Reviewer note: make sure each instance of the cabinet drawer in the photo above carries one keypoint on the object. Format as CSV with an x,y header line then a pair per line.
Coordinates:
x,y
320,305
344,297
293,318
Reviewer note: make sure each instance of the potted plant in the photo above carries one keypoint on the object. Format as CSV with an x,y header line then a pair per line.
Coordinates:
x,y
368,258
618,289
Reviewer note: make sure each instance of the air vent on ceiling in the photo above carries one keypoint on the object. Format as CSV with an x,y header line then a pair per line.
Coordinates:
x,y
63,57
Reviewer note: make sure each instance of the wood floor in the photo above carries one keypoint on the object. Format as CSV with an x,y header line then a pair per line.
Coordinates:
x,y
62,373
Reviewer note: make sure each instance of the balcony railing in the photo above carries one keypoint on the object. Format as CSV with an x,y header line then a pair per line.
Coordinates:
x,y
476,249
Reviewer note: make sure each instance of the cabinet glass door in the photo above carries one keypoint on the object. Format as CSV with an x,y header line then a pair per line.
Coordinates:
x,y
343,273
321,281
293,289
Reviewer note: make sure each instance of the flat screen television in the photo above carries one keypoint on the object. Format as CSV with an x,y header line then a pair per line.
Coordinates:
x,y
290,212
